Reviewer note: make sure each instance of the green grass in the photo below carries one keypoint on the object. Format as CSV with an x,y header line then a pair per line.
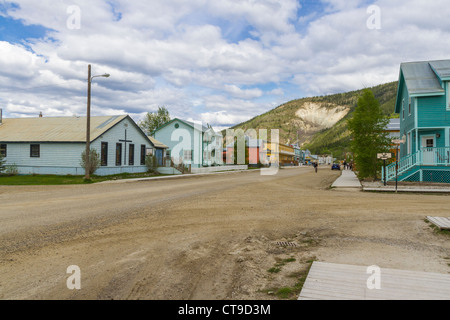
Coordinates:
x,y
294,291
274,270
436,229
32,180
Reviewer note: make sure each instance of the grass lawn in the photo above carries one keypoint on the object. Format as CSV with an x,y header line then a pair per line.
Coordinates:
x,y
67,179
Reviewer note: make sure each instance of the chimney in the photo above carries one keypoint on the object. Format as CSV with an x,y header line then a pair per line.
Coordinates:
x,y
40,114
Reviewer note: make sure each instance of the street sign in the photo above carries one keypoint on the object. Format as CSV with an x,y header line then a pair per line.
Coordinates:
x,y
384,156
398,141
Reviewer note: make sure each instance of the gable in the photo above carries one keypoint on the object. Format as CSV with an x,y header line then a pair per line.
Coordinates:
x,y
134,125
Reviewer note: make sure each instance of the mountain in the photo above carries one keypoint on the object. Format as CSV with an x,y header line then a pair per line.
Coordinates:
x,y
320,123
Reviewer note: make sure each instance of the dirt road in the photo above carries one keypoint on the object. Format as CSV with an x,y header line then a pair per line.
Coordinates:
x,y
228,236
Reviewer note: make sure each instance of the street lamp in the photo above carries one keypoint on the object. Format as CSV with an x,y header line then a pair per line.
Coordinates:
x,y
88,121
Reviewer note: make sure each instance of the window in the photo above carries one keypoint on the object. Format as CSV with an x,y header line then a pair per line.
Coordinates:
x,y
448,95
35,150
118,154
187,155
403,108
104,154
142,154
409,106
3,152
131,155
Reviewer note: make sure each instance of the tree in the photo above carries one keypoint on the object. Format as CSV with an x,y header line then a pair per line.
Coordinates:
x,y
94,161
369,136
154,120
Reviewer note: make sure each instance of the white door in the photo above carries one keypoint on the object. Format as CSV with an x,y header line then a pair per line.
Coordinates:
x,y
428,145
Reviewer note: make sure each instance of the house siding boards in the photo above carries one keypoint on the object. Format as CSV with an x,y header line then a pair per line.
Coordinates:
x,y
189,135
113,137
432,112
64,154
63,157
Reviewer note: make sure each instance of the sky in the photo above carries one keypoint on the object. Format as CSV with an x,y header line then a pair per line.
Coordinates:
x,y
218,62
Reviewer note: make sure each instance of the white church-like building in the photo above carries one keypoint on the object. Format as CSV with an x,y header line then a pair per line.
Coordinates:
x,y
53,145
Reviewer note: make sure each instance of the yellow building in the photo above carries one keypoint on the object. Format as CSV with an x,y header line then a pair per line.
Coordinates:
x,y
281,153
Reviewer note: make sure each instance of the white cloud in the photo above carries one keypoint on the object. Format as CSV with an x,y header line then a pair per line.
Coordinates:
x,y
214,60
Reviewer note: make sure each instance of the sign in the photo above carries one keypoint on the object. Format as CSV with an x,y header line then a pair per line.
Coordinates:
x,y
384,156
399,141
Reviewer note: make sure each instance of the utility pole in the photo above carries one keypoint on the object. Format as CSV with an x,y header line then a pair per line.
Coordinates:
x,y
88,127
88,123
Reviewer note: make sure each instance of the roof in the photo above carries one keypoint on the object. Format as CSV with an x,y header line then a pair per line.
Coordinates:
x,y
157,144
188,123
420,77
55,129
442,68
393,125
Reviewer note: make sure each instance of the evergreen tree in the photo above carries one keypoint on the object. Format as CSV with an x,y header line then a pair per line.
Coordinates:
x,y
369,136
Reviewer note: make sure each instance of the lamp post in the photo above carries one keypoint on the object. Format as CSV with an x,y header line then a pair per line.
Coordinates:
x,y
88,122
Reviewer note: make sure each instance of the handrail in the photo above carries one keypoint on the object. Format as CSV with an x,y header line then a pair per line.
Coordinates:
x,y
425,156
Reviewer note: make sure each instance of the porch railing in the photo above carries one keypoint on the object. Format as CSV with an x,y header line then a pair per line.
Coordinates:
x,y
423,157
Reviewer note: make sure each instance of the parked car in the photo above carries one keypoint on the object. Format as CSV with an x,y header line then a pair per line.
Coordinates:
x,y
335,166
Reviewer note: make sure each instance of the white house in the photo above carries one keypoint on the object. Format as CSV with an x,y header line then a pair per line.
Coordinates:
x,y
53,145
190,143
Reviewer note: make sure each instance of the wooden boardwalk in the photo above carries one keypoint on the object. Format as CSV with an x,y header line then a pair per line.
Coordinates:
x,y
440,222
329,281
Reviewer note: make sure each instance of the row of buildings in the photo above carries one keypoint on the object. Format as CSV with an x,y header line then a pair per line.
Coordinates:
x,y
53,145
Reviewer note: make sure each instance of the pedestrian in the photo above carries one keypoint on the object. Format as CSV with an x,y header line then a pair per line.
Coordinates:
x,y
315,166
345,165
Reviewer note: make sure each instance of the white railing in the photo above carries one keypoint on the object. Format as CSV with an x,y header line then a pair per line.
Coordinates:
x,y
423,157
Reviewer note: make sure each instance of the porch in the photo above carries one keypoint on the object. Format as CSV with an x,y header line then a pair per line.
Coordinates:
x,y
426,165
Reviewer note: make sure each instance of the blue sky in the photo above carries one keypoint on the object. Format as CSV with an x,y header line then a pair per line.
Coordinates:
x,y
219,62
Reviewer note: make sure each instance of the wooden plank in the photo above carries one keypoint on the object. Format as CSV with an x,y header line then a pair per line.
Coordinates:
x,y
440,222
337,281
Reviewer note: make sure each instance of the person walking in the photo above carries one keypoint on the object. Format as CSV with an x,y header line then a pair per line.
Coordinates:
x,y
315,166
345,165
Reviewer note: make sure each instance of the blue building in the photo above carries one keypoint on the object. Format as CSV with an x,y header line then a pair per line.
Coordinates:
x,y
53,145
423,103
191,143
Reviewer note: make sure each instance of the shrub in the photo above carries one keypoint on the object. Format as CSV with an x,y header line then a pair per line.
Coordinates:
x,y
151,162
2,164
94,160
12,170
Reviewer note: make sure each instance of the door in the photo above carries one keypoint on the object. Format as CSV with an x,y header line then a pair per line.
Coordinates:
x,y
159,156
428,145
